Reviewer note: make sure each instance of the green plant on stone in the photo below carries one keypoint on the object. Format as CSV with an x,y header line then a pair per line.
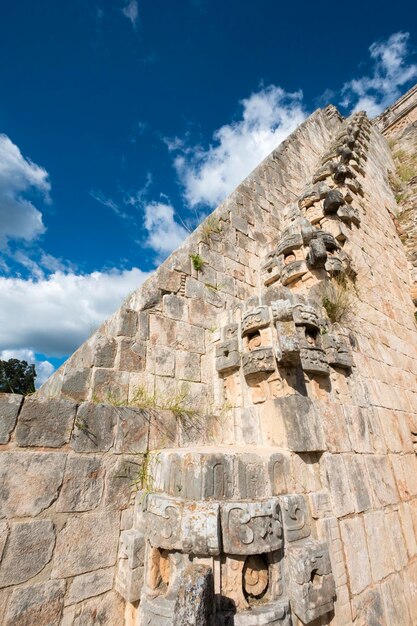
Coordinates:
x,y
197,261
338,298
211,226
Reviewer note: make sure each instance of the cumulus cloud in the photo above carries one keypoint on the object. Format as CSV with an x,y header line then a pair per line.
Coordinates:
x,y
19,218
210,174
55,315
131,11
164,233
391,71
44,369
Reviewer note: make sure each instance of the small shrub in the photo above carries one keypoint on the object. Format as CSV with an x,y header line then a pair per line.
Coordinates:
x,y
211,226
338,299
197,262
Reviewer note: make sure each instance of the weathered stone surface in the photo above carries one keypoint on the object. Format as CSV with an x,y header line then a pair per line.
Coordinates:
x,y
195,600
89,585
83,484
29,548
39,605
121,475
297,422
354,543
30,482
312,587
76,383
45,423
9,409
86,543
368,609
295,517
251,527
4,531
108,609
94,427
132,430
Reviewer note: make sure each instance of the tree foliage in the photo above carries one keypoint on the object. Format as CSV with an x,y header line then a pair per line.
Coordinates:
x,y
17,377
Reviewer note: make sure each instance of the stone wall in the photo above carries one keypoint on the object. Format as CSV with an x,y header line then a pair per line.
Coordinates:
x,y
269,406
160,338
68,475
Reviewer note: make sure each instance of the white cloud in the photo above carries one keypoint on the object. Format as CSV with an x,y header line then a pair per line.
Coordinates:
x,y
55,315
164,233
390,73
19,218
209,175
44,369
131,11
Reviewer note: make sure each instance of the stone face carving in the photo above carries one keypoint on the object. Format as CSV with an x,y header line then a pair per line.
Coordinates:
x,y
227,355
259,360
179,525
312,588
251,527
295,517
338,352
254,319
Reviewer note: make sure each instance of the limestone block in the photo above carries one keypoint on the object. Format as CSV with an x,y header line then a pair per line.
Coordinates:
x,y
313,361
30,482
9,409
339,487
251,527
132,547
29,549
293,271
294,423
180,525
251,480
273,613
394,599
395,539
107,609
129,581
38,604
279,470
357,419
289,345
190,338
328,530
127,323
408,530
254,319
83,484
195,601
378,545
94,427
122,473
45,422
358,480
410,576
202,313
259,360
354,545
381,479
337,350
132,430
175,307
227,355
86,543
109,385
75,384
132,355
105,351
89,585
187,366
312,589
368,608
295,517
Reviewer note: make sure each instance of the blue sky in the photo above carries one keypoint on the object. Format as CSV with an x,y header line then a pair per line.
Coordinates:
x,y
122,123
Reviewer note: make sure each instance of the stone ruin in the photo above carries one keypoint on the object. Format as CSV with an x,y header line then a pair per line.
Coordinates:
x,y
237,444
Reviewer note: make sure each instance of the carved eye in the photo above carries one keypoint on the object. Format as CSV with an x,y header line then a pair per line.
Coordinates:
x,y
289,258
254,340
255,577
